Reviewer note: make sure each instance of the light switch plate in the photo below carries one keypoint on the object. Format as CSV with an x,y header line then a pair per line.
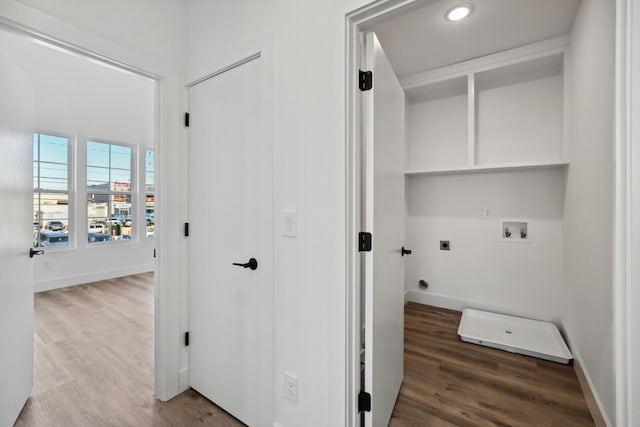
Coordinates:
x,y
290,223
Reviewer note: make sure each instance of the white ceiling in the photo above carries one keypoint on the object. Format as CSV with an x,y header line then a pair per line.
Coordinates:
x,y
423,39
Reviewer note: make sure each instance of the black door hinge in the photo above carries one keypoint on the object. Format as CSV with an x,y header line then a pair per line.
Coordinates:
x,y
186,339
364,402
154,252
186,120
364,241
365,80
186,229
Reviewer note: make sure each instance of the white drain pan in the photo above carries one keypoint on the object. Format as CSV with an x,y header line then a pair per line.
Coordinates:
x,y
514,334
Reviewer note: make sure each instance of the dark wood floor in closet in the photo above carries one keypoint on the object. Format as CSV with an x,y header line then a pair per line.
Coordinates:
x,y
94,367
451,383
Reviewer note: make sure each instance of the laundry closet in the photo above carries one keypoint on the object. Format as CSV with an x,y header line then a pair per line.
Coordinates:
x,y
488,150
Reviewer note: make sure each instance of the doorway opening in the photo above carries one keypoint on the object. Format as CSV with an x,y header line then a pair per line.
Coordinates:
x,y
489,123
95,131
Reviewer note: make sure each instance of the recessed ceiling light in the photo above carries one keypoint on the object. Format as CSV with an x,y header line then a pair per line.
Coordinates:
x,y
458,13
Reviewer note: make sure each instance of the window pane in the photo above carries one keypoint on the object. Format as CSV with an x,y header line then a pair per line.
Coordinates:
x,y
109,167
50,219
50,190
109,217
97,178
121,157
54,149
97,154
150,209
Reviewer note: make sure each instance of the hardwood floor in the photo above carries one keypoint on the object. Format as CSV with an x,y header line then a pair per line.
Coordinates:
x,y
451,383
94,367
94,362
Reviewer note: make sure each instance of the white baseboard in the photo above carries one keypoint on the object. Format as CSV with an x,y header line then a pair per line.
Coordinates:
x,y
594,403
63,282
459,304
406,297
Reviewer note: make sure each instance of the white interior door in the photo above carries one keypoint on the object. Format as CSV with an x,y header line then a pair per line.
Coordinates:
x,y
384,218
16,284
230,203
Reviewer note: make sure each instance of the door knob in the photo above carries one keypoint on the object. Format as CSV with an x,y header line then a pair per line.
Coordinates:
x,y
33,252
404,251
252,264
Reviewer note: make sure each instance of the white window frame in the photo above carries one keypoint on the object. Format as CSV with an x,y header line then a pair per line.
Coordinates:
x,y
71,167
133,191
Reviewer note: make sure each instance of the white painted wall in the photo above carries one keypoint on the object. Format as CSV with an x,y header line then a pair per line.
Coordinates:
x,y
310,177
480,270
149,35
588,225
86,100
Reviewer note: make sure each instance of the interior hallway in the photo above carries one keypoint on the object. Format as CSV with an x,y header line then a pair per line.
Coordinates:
x,y
94,367
94,361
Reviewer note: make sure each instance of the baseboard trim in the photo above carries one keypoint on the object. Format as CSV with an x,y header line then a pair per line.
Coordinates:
x,y
459,304
406,297
63,282
593,401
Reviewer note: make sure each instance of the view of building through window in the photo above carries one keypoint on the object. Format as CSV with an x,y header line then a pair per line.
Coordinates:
x,y
50,190
149,189
109,195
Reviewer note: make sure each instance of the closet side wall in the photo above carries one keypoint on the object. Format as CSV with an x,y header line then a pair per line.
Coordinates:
x,y
588,224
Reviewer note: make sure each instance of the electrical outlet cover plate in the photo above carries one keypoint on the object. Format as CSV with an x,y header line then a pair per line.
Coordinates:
x,y
290,386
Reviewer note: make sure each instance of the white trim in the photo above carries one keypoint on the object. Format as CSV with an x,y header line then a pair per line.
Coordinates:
x,y
508,57
591,397
34,34
225,69
63,282
627,215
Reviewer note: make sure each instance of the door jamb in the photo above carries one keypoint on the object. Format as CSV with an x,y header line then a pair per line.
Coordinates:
x,y
356,23
626,242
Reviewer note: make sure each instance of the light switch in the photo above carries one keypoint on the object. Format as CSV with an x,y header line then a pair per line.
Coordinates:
x,y
290,223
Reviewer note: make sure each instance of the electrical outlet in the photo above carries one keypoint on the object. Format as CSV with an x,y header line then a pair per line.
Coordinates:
x,y
445,245
290,387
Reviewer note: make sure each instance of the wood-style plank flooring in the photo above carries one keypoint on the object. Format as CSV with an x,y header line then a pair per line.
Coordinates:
x,y
451,383
94,367
94,362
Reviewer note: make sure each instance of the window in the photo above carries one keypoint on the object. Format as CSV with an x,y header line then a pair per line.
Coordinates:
x,y
149,189
109,204
50,190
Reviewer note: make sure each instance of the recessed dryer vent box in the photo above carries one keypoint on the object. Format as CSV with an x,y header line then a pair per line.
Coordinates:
x,y
513,230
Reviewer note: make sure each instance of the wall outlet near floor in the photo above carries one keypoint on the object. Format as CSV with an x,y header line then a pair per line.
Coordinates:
x,y
290,386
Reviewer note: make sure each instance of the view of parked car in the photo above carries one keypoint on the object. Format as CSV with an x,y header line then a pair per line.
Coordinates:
x,y
96,228
98,237
48,239
55,226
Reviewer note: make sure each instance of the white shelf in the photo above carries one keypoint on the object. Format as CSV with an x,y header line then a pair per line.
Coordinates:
x,y
487,168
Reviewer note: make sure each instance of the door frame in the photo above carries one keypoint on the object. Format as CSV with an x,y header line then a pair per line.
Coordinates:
x,y
357,23
626,244
164,387
266,53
